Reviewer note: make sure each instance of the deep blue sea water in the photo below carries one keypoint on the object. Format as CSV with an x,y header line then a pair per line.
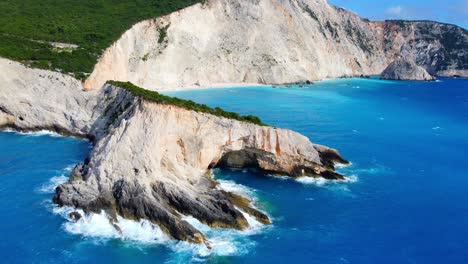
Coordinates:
x,y
406,201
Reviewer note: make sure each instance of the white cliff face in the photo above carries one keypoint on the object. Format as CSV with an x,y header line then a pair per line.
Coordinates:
x,y
226,42
32,99
231,41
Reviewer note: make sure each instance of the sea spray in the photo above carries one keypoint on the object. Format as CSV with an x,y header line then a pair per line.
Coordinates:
x,y
221,241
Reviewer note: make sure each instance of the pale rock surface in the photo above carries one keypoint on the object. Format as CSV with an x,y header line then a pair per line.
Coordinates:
x,y
231,41
34,99
403,69
237,42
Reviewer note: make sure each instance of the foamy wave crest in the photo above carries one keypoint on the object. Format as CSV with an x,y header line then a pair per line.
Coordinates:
x,y
341,165
323,182
98,226
35,133
222,242
49,186
352,170
53,182
230,186
69,168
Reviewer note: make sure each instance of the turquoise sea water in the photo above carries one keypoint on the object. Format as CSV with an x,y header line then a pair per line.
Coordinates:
x,y
405,201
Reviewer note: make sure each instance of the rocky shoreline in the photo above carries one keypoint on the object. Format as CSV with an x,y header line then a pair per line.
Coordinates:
x,y
150,160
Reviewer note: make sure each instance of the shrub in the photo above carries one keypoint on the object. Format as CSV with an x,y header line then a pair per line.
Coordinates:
x,y
186,104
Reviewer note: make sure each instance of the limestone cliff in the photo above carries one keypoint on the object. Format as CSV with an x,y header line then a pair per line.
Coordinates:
x,y
441,49
152,160
271,42
403,69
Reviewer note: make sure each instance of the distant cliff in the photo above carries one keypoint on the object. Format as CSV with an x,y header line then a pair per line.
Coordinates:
x,y
403,69
273,42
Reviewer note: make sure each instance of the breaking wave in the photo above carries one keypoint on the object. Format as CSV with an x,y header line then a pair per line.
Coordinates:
x,y
98,226
35,133
221,242
231,186
323,182
49,186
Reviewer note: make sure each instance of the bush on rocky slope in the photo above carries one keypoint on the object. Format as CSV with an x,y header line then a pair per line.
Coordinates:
x,y
27,27
186,104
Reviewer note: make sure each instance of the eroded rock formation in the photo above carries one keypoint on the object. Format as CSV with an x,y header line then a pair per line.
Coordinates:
x,y
403,69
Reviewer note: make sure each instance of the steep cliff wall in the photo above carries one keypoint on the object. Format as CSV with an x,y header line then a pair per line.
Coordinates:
x,y
271,42
442,49
230,41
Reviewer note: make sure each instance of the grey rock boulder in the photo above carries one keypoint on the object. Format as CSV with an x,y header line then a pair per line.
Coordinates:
x,y
402,69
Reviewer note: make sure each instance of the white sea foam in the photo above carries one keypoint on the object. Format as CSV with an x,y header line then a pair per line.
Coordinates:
x,y
222,242
69,168
323,182
314,181
53,182
230,186
99,226
341,165
359,171
279,177
35,133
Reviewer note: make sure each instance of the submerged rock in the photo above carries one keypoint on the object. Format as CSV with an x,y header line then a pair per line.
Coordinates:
x,y
402,69
74,216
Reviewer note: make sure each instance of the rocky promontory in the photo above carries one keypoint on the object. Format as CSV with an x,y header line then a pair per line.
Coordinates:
x,y
152,159
403,69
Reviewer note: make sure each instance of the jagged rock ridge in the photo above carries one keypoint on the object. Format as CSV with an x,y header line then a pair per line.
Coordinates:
x,y
273,42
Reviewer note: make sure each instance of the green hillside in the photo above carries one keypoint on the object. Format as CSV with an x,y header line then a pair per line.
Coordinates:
x,y
27,27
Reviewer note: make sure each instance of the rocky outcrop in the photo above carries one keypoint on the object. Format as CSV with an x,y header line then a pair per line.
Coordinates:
x,y
272,42
152,161
441,49
403,69
34,99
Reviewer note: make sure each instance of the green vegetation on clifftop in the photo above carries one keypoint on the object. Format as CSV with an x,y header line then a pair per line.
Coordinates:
x,y
27,27
186,104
